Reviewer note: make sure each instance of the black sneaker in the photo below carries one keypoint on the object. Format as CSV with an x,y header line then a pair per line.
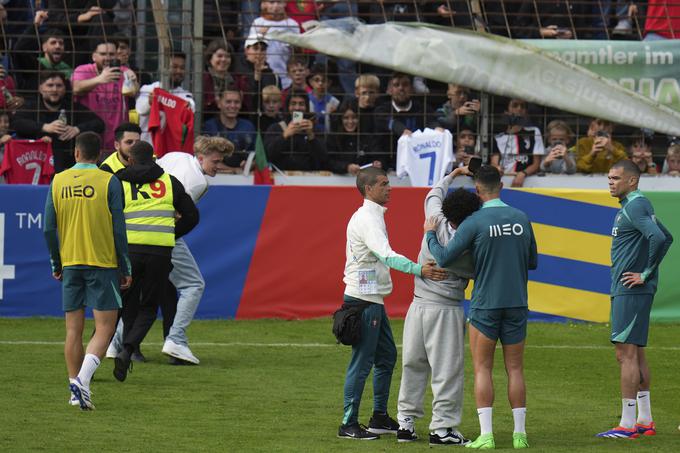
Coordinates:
x,y
122,364
382,424
137,356
406,435
356,431
452,437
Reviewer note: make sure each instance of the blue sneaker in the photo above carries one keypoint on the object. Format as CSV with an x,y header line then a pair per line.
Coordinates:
x,y
82,393
620,433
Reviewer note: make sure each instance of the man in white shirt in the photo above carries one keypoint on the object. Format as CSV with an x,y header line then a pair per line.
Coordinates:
x,y
367,276
143,103
186,276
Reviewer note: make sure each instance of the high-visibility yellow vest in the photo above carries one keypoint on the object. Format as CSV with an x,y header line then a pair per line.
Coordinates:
x,y
84,224
149,212
114,163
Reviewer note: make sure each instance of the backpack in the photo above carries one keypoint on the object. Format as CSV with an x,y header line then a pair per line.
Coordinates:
x,y
347,323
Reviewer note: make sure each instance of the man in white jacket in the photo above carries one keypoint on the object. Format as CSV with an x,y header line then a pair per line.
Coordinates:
x,y
367,279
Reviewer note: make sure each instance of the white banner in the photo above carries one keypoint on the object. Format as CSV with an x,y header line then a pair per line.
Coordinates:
x,y
488,63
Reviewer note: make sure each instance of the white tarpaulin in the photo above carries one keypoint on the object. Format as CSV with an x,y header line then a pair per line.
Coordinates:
x,y
488,63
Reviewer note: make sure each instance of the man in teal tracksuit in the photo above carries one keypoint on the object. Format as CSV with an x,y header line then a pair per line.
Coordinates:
x,y
639,243
504,250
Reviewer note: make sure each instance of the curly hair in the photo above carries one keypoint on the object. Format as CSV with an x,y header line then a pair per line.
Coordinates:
x,y
459,204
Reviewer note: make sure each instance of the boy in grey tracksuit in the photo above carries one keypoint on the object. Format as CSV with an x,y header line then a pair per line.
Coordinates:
x,y
434,329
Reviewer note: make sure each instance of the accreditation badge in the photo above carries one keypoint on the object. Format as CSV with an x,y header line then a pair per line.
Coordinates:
x,y
368,281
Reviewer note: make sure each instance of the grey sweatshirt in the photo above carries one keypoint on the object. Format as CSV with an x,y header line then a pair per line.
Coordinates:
x,y
452,290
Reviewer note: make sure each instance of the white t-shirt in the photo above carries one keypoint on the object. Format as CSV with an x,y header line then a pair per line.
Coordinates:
x,y
143,108
516,149
187,170
425,156
278,52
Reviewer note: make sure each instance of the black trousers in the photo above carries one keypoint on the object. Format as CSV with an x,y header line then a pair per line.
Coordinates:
x,y
141,301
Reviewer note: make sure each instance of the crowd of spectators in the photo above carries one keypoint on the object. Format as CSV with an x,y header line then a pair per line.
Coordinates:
x,y
70,66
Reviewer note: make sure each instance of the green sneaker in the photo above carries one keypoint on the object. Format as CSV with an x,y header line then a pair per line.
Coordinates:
x,y
483,442
519,440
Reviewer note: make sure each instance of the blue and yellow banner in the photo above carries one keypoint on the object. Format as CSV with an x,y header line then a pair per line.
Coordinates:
x,y
280,251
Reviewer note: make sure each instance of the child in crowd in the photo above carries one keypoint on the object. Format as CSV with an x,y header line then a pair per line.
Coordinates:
x,y
366,89
671,166
298,73
559,158
273,17
321,103
640,152
271,107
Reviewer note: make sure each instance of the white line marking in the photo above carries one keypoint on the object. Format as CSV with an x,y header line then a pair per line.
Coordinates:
x,y
323,345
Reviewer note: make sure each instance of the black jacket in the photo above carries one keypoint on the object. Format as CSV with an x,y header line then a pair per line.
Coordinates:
x,y
297,152
30,119
144,173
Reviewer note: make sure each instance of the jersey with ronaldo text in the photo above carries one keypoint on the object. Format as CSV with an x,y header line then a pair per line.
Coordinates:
x,y
27,162
171,123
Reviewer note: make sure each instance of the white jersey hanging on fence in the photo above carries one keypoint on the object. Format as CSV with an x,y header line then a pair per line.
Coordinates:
x,y
424,156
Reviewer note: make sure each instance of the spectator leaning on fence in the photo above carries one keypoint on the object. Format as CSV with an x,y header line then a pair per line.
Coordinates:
x,y
43,116
101,88
597,152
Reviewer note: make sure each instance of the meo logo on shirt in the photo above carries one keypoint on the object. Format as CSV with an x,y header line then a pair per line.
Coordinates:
x,y
506,229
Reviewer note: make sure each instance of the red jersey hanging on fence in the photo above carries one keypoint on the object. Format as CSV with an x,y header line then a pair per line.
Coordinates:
x,y
171,123
27,162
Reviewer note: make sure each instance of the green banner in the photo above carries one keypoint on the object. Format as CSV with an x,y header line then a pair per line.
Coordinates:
x,y
649,68
667,301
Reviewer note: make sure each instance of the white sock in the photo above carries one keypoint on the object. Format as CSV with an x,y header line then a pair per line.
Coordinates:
x,y
441,432
628,413
644,406
90,364
519,415
406,422
485,415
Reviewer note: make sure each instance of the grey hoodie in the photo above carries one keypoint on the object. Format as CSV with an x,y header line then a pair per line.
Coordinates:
x,y
452,290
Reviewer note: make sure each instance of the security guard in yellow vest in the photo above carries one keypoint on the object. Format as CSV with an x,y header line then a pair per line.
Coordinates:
x,y
157,210
125,135
85,233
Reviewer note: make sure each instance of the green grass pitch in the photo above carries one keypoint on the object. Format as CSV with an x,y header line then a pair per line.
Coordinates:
x,y
275,386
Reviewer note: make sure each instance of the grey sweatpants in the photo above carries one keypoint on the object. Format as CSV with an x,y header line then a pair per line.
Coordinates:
x,y
434,336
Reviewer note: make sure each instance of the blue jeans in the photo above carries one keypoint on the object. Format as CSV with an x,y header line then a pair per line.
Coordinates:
x,y
189,282
376,349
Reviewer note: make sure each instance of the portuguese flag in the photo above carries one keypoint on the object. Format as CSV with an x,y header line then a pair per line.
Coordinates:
x,y
262,173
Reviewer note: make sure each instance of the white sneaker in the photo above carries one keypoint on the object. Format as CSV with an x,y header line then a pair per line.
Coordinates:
x,y
112,351
82,394
179,351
